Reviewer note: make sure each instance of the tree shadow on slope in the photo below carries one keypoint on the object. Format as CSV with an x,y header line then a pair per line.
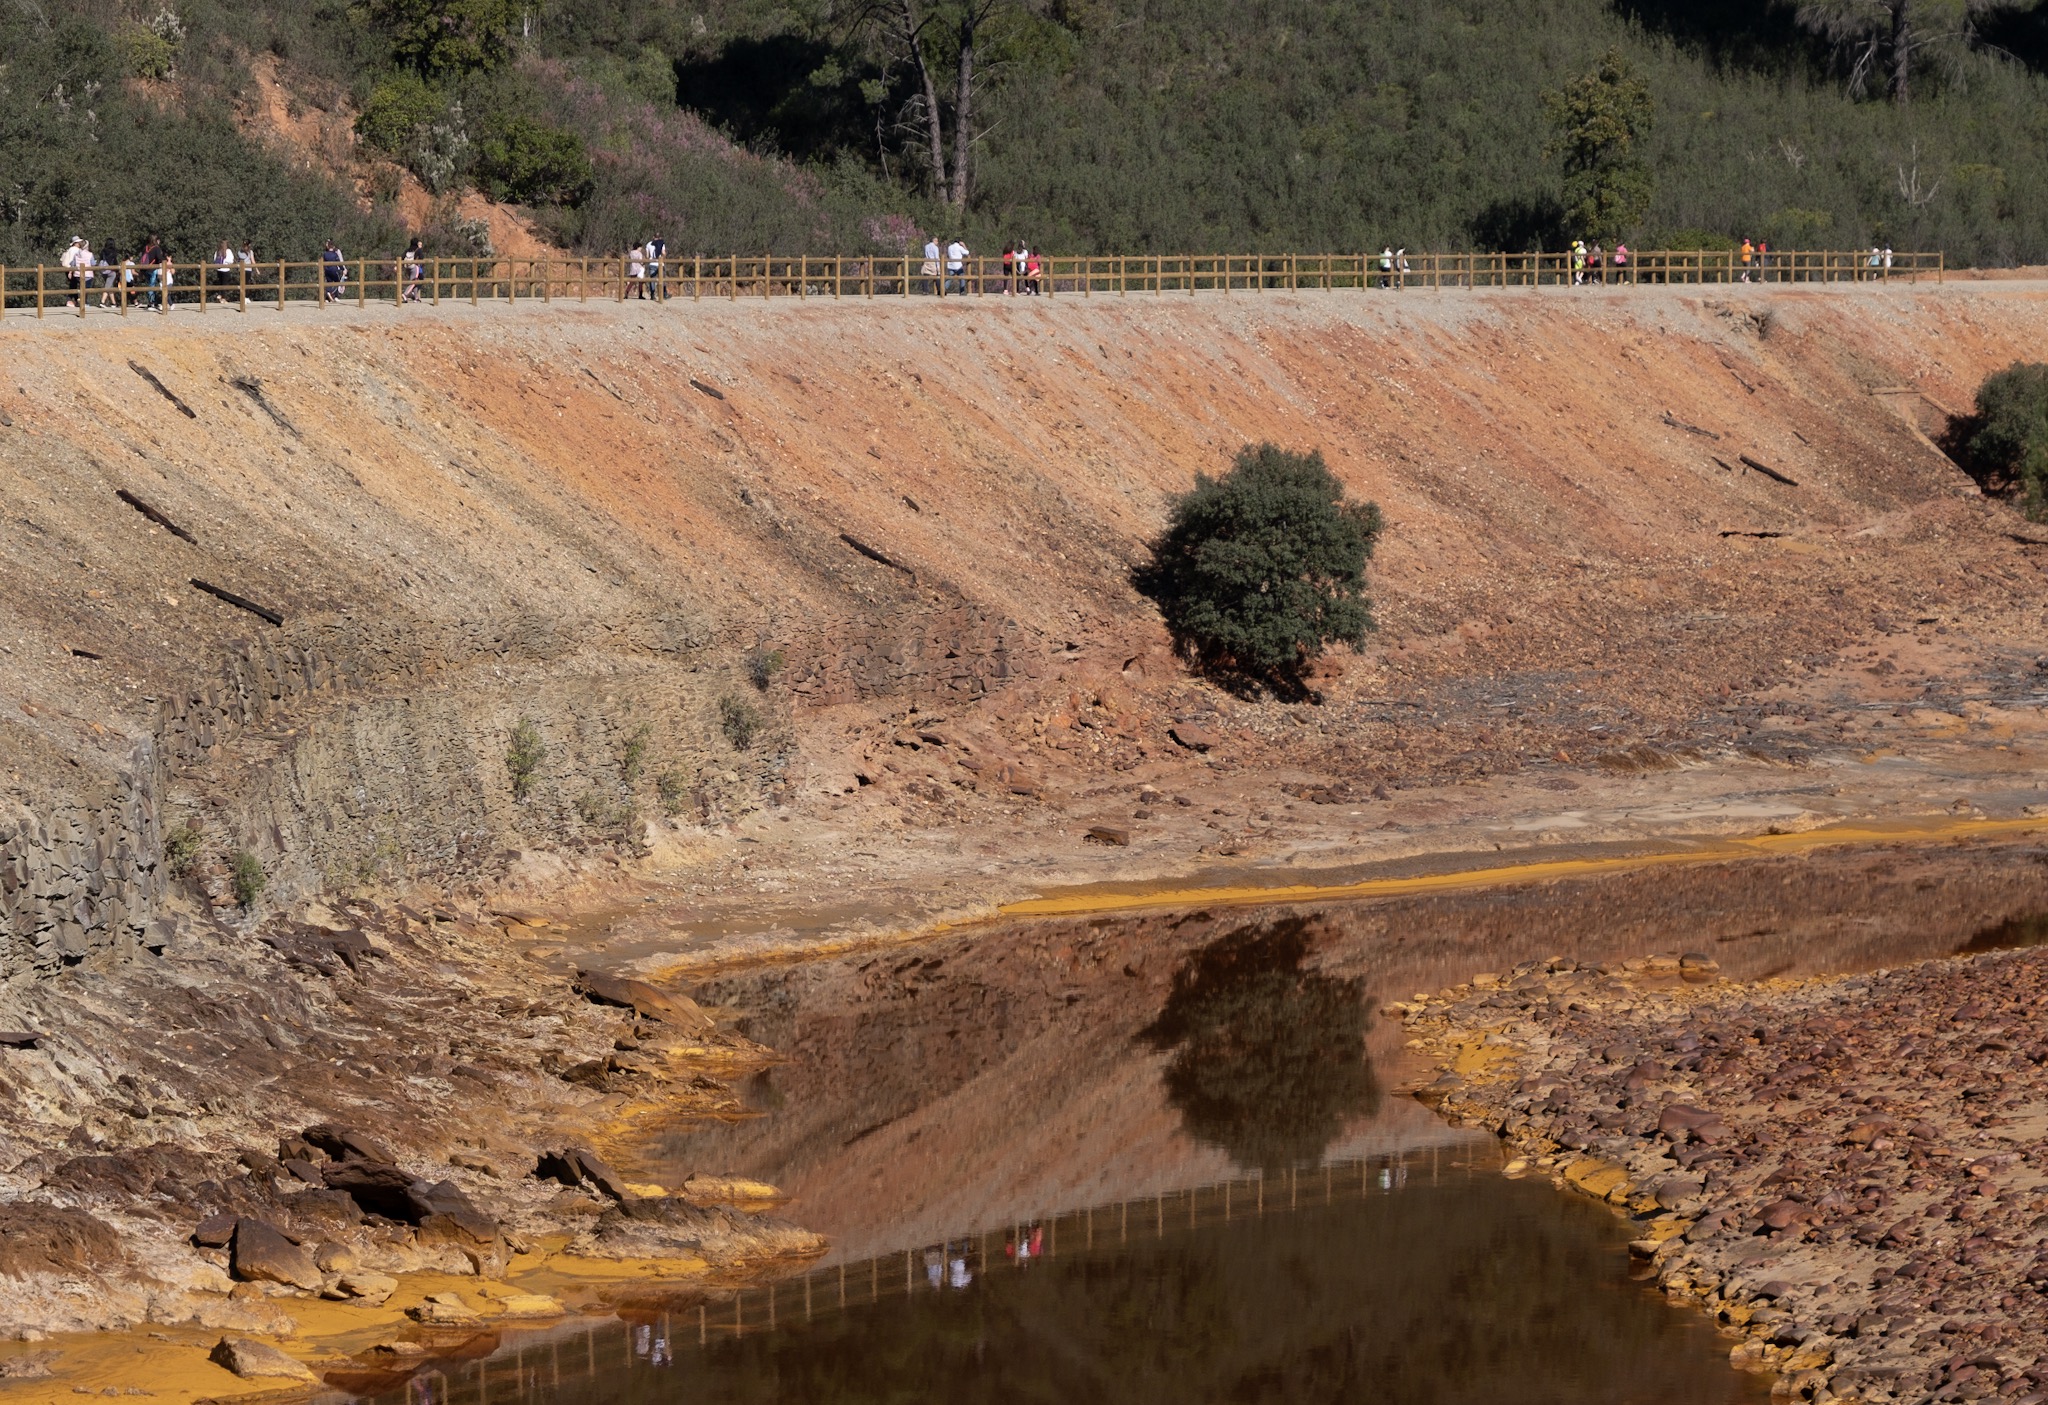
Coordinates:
x,y
794,95
1269,1059
1733,34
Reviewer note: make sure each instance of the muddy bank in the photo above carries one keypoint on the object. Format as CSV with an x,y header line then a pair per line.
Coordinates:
x,y
1850,1172
305,1129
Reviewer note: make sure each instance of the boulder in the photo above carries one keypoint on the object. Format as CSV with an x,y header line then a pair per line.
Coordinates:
x,y
444,1310
249,1359
346,1143
361,1285
261,1254
1192,737
530,1305
379,1187
642,998
578,1165
214,1232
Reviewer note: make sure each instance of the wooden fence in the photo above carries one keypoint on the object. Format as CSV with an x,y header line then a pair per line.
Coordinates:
x,y
43,290
536,1366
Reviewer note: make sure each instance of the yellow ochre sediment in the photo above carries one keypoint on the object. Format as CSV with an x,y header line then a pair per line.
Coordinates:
x,y
1086,902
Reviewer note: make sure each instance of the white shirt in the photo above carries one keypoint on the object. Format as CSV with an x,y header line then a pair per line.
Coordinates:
x,y
956,254
77,256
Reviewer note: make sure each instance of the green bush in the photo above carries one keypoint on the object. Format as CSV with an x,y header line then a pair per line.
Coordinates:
x,y
740,720
523,757
249,878
532,163
397,109
181,850
674,789
2004,445
1259,570
148,54
633,754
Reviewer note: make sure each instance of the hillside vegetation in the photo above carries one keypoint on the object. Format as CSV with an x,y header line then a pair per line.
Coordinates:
x,y
1078,125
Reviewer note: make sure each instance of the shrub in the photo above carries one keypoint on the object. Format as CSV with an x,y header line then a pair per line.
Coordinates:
x,y
2004,445
633,755
397,108
740,720
181,850
533,164
523,757
249,878
674,789
148,54
762,666
1259,570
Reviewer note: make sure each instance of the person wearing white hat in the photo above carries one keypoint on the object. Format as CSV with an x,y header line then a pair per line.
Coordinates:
x,y
76,260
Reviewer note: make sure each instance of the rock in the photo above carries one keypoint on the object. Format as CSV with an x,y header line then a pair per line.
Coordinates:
x,y
214,1232
642,998
1681,1123
578,1165
363,1286
444,1310
345,1143
729,1190
1192,737
379,1187
34,1366
250,1359
1674,1191
1783,1214
1106,834
530,1305
21,1039
261,1254
334,1258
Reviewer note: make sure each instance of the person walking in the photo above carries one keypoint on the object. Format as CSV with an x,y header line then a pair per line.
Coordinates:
x,y
657,255
930,269
334,269
1034,272
415,268
150,263
106,265
1620,262
1387,266
1009,269
957,254
1748,254
75,260
222,271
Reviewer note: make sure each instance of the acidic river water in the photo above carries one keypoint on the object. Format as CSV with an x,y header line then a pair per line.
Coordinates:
x,y
1152,1159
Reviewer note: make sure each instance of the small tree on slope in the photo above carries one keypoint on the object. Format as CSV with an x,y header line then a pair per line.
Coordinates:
x,y
2004,445
1259,570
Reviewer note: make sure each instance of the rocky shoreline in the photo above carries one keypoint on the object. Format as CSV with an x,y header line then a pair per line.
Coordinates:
x,y
1850,1173
364,1108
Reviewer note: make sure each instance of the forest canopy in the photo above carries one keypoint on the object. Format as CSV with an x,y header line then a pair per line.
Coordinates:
x,y
1076,125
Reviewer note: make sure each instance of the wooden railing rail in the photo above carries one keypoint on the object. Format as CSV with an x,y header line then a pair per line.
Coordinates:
x,y
535,1366
43,290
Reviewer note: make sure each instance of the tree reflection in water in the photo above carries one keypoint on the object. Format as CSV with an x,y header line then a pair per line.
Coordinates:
x,y
1269,1059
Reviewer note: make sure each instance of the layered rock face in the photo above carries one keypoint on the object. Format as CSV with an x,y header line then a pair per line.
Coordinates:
x,y
308,622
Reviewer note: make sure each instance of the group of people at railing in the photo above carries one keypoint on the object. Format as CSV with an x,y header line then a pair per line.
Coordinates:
x,y
148,277
1023,269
